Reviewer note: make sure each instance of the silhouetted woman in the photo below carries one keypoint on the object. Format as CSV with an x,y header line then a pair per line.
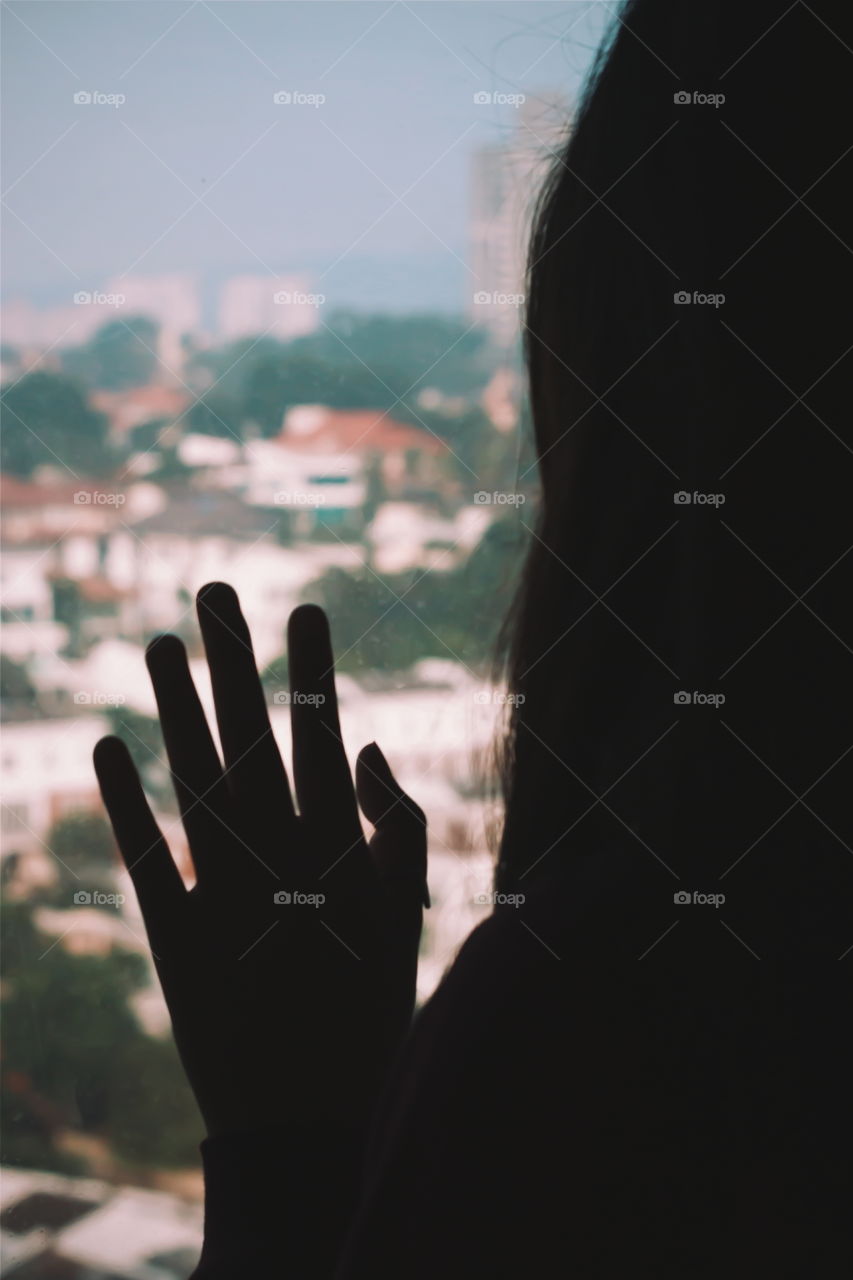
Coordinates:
x,y
645,1068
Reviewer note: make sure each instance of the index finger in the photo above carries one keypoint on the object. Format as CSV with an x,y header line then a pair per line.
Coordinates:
x,y
143,849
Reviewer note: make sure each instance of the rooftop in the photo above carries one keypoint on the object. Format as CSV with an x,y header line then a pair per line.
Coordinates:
x,y
316,428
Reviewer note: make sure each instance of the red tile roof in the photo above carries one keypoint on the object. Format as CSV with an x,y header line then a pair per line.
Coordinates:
x,y
139,404
21,494
362,430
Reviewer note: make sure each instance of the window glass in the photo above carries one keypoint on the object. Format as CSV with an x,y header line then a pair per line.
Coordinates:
x,y
263,307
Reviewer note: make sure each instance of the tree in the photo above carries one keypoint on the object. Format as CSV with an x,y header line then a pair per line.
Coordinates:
x,y
48,421
351,362
16,688
278,382
64,1015
481,457
276,676
225,368
158,433
68,609
123,353
82,844
420,350
76,1055
143,738
152,1117
453,614
216,413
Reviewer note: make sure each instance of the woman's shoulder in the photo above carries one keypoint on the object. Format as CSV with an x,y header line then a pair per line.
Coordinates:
x,y
603,905
615,930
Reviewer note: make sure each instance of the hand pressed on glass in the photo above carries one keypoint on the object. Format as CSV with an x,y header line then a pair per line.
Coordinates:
x,y
289,968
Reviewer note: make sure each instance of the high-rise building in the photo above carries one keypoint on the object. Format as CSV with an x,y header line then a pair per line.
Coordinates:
x,y
283,306
170,300
505,181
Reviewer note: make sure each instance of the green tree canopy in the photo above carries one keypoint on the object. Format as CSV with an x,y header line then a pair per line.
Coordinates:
x,y
77,1054
143,738
122,353
454,614
48,421
15,684
86,857
350,362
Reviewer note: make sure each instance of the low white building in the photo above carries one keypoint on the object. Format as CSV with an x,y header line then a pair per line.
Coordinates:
x,y
47,773
436,729
196,450
404,535
165,568
315,488
435,723
26,594
113,674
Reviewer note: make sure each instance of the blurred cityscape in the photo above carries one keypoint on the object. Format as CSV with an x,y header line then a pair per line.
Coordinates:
x,y
154,440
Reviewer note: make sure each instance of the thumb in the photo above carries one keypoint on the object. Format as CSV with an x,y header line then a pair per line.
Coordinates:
x,y
398,846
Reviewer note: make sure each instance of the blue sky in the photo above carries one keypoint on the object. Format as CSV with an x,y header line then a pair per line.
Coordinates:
x,y
200,171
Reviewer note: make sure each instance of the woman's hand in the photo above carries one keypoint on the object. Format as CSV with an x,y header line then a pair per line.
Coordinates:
x,y
289,968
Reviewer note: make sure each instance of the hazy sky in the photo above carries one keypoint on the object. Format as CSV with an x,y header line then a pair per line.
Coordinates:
x,y
199,170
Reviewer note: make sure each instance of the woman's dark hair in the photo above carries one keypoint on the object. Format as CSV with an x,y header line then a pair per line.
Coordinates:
x,y
688,339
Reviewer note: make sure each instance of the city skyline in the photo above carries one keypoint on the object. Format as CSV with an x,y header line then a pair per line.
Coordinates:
x,y
199,170
502,181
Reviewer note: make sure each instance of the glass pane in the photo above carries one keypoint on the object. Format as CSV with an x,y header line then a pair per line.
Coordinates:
x,y
264,279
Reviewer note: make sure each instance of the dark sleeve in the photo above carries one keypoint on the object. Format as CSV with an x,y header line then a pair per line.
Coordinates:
x,y
468,1106
441,1194
282,1202
278,1202
304,1204
562,1109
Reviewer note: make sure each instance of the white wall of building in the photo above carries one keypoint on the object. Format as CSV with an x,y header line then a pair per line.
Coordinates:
x,y
47,772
